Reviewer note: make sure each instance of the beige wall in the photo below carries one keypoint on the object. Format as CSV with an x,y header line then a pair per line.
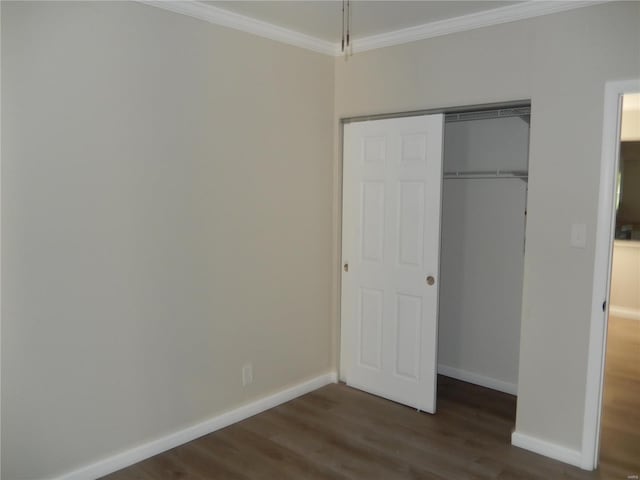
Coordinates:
x,y
560,62
630,127
625,278
166,216
166,211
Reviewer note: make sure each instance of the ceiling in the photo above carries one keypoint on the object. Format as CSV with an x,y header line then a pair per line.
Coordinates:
x,y
322,19
317,24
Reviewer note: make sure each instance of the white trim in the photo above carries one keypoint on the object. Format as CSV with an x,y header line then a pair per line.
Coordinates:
x,y
142,452
225,18
602,269
0,245
624,312
478,379
548,449
496,16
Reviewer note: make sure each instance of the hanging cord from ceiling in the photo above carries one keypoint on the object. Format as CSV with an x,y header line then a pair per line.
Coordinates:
x,y
346,26
342,26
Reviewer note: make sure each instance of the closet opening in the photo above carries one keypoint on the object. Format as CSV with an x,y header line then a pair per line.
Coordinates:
x,y
483,221
433,239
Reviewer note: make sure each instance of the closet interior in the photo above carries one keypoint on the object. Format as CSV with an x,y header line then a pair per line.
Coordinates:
x,y
484,199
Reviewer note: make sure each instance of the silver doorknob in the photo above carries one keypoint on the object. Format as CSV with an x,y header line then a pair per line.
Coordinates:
x,y
430,280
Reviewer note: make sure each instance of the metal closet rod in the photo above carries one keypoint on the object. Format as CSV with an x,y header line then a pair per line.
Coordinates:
x,y
514,107
497,174
522,112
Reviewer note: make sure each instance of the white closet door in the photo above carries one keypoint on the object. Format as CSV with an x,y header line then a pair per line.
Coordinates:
x,y
391,244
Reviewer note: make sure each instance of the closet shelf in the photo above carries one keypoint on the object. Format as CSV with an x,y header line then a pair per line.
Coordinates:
x,y
523,112
523,175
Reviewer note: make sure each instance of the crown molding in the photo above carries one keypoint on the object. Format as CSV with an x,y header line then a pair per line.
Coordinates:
x,y
510,13
225,18
496,16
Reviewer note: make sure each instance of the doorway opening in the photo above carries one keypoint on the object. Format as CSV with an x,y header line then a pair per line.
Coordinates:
x,y
609,201
620,421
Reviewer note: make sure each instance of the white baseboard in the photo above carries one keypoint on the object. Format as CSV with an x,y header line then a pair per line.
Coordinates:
x,y
478,379
623,312
548,449
142,452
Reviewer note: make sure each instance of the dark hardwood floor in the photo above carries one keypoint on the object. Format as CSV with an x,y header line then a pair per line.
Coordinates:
x,y
620,439
337,432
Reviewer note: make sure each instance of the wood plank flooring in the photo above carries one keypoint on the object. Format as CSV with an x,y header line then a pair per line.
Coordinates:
x,y
620,439
340,433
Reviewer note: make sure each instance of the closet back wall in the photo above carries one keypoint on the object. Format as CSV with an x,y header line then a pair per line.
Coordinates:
x,y
482,252
166,216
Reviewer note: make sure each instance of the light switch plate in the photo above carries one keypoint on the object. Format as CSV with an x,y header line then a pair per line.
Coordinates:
x,y
578,235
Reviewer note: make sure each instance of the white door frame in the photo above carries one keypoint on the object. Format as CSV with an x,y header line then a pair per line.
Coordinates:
x,y
0,254
602,268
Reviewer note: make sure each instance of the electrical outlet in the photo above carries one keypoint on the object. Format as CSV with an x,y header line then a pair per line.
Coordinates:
x,y
247,374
